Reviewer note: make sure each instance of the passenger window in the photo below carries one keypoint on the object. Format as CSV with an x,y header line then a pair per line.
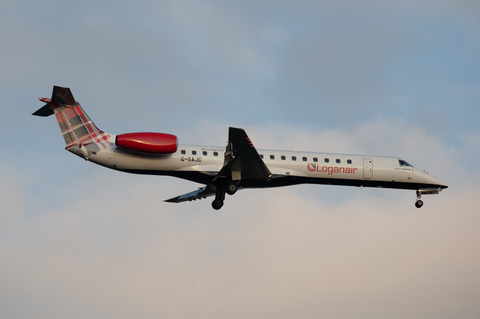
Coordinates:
x,y
204,153
194,152
304,159
183,152
327,160
349,161
283,157
337,160
261,156
315,159
272,157
215,153
294,158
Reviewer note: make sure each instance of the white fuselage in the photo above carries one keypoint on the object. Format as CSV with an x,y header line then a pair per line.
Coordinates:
x,y
224,170
202,163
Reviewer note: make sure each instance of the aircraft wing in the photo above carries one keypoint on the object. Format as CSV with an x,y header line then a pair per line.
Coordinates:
x,y
242,160
200,193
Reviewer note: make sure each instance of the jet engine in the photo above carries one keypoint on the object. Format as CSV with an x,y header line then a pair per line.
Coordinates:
x,y
155,143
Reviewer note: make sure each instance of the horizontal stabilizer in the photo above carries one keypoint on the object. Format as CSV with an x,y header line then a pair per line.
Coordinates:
x,y
46,110
60,96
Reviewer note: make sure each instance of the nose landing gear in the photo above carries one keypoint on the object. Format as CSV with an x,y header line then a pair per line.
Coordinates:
x,y
419,202
420,192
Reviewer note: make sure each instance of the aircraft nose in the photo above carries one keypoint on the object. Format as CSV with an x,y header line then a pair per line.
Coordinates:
x,y
436,181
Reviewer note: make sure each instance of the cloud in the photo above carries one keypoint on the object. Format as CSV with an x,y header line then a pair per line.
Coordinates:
x,y
115,249
289,256
78,240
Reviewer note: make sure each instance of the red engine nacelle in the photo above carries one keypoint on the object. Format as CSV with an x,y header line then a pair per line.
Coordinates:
x,y
157,143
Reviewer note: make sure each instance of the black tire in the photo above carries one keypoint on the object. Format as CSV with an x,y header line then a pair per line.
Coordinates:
x,y
217,204
419,203
231,189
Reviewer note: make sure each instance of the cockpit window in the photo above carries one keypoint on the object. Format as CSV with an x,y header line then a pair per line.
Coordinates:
x,y
404,163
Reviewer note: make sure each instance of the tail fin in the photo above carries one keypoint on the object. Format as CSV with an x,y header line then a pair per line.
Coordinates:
x,y
77,128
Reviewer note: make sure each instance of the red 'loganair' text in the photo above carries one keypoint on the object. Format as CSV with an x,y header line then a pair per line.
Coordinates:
x,y
331,169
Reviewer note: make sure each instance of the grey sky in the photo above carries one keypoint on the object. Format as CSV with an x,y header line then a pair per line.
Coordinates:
x,y
396,78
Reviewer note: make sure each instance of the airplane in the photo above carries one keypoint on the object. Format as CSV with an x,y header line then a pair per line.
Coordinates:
x,y
224,170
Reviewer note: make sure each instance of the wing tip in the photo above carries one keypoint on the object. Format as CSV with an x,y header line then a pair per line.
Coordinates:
x,y
172,200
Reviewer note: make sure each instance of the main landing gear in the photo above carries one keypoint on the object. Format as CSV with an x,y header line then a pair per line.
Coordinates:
x,y
219,198
217,204
230,189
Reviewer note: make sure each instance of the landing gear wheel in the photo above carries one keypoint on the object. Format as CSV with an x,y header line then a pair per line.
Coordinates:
x,y
217,204
231,189
419,203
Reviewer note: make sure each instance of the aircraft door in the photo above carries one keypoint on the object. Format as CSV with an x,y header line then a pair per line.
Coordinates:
x,y
367,168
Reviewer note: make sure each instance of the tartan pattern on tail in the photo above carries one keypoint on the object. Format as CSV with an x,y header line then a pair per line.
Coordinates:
x,y
77,128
